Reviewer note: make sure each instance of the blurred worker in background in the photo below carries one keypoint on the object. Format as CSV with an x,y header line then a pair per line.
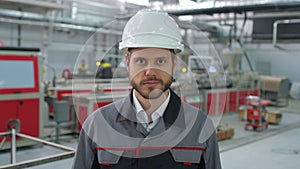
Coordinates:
x,y
104,70
82,69
151,128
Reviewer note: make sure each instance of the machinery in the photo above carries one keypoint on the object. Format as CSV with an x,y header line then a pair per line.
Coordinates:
x,y
211,72
224,100
240,79
207,72
85,104
256,113
275,89
54,94
21,93
220,92
73,100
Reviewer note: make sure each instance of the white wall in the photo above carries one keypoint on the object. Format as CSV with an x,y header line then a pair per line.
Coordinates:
x,y
285,59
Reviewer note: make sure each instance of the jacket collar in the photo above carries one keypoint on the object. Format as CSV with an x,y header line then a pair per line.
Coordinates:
x,y
174,113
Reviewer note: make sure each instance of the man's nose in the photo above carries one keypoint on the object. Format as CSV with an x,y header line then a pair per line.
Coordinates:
x,y
149,71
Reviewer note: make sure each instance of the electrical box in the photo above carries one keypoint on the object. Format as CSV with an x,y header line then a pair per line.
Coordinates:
x,y
61,111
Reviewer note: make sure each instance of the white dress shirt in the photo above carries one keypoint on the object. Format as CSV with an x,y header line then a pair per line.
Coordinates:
x,y
142,116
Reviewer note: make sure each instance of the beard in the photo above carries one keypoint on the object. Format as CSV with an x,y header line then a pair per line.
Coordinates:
x,y
152,92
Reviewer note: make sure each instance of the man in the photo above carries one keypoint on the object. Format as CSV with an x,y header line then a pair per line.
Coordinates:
x,y
104,71
152,127
82,69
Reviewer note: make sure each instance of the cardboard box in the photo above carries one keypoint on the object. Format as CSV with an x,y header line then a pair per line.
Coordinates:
x,y
274,116
242,113
223,134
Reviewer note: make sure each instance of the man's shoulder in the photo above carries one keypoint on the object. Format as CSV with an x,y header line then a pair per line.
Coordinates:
x,y
192,109
188,109
109,111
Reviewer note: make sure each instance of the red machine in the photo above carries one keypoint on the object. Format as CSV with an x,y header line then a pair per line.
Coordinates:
x,y
21,97
225,100
256,112
83,104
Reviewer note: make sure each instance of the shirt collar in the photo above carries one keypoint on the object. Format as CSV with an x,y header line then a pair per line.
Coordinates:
x,y
173,114
161,109
136,103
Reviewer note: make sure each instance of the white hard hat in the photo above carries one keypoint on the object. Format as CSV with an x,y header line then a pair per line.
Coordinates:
x,y
148,28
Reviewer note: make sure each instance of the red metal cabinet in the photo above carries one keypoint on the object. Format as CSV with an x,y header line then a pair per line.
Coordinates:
x,y
216,102
222,102
232,102
8,111
254,92
28,113
84,110
211,103
25,110
242,96
82,114
20,94
226,100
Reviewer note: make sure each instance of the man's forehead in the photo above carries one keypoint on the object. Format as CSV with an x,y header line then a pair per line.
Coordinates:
x,y
150,52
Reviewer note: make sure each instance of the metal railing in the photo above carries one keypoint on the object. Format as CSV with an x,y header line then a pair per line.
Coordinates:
x,y
16,165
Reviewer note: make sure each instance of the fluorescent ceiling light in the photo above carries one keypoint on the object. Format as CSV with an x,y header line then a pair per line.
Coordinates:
x,y
187,2
137,2
186,18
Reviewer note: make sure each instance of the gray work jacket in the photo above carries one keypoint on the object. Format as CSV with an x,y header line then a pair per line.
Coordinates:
x,y
112,138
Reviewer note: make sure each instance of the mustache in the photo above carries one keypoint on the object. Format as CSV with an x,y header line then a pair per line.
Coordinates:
x,y
151,79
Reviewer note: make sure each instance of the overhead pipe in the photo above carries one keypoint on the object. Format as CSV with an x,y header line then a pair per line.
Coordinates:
x,y
275,27
61,25
230,30
19,13
106,5
239,40
40,20
255,16
230,7
243,26
50,5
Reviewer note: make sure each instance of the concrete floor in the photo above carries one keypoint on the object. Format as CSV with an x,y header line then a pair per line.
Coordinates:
x,y
281,151
277,147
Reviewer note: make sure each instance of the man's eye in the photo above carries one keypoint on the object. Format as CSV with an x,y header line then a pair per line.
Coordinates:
x,y
161,61
140,61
